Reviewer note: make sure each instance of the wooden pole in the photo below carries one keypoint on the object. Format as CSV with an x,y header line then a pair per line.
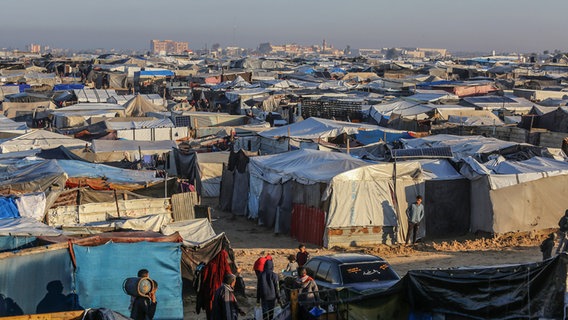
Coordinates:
x,y
294,307
116,202
288,138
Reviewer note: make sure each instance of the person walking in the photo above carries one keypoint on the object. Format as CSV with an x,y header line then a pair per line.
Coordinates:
x,y
415,215
225,306
563,232
302,256
267,290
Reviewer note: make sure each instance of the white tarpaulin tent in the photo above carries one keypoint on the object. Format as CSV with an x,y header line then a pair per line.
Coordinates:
x,y
210,166
39,139
314,128
139,106
363,196
402,108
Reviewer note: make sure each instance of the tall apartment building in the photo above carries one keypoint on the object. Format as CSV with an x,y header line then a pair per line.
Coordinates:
x,y
34,48
168,46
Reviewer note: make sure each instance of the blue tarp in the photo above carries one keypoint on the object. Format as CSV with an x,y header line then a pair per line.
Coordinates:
x,y
9,243
8,208
102,270
157,73
70,86
373,136
24,278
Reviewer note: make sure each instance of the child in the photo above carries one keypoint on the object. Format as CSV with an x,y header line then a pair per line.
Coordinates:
x,y
546,247
302,256
292,264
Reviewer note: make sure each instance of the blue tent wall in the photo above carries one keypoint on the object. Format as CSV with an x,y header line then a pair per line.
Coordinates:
x,y
8,243
101,271
24,278
373,136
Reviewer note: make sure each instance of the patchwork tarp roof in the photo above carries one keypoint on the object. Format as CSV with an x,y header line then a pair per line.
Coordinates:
x,y
81,169
39,139
304,166
401,107
462,146
28,177
314,128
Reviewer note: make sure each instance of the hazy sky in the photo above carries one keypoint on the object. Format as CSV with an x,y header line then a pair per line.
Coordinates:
x,y
459,25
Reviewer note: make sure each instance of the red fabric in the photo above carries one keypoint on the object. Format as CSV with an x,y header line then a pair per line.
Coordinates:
x,y
213,275
259,263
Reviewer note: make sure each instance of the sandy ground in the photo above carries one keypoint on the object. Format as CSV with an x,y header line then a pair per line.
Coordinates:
x,y
250,241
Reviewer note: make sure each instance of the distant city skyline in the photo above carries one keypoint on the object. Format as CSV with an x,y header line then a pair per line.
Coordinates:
x,y
483,25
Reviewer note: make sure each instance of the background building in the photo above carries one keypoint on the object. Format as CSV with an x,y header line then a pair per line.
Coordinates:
x,y
168,46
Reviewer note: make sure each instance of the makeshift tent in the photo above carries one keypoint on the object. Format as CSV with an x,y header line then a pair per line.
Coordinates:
x,y
518,196
38,176
210,166
382,112
317,128
139,106
235,183
39,139
134,148
476,146
371,196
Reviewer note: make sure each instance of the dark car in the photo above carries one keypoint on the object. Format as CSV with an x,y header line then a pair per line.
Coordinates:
x,y
357,272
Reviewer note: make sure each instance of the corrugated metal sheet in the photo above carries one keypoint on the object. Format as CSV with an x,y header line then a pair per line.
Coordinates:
x,y
183,205
308,224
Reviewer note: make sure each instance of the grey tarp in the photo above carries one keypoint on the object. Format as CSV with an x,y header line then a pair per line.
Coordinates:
x,y
38,176
226,192
268,203
240,193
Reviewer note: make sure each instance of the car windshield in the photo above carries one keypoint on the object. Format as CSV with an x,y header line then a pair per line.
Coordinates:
x,y
367,272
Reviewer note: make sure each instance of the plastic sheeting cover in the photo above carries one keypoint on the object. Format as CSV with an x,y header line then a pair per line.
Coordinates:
x,y
101,271
527,291
24,278
194,232
80,169
26,227
304,166
314,128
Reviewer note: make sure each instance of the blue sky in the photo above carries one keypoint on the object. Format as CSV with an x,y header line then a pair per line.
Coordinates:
x,y
459,25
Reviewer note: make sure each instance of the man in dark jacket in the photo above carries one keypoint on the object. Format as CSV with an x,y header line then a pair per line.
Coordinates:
x,y
563,232
225,305
267,290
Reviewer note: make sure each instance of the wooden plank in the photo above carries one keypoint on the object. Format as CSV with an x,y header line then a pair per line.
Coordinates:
x,y
66,315
183,205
